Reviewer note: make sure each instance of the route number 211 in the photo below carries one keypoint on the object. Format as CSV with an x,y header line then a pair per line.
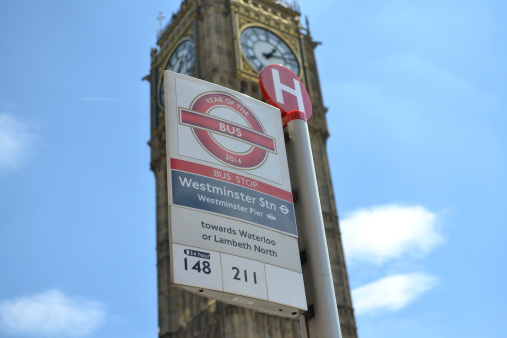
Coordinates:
x,y
245,275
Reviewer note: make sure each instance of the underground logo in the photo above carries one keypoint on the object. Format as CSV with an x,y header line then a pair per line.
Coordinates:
x,y
228,130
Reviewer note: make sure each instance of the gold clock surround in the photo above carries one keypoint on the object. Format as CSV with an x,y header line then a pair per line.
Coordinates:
x,y
245,15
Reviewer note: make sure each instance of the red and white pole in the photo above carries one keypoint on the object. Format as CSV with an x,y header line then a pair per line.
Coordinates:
x,y
283,89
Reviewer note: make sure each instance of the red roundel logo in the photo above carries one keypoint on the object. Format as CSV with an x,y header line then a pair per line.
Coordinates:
x,y
228,130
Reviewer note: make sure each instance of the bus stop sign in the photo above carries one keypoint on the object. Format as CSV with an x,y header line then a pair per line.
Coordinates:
x,y
283,89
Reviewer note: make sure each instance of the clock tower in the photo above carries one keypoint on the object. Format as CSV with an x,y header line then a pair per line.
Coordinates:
x,y
228,42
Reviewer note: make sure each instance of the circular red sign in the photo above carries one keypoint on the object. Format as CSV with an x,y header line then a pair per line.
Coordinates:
x,y
283,89
205,104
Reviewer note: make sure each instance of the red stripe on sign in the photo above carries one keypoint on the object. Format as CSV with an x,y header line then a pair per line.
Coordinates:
x,y
223,127
229,177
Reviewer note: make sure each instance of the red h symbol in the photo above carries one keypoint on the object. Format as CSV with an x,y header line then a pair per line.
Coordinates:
x,y
283,89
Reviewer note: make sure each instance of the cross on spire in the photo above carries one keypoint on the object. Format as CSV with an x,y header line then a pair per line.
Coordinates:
x,y
160,17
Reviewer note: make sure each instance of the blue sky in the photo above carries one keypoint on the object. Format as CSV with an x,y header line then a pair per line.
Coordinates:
x,y
416,97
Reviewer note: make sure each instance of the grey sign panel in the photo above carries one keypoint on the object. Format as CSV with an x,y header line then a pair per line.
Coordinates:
x,y
214,232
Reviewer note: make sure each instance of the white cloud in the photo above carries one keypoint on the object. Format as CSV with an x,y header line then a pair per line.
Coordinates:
x,y
384,233
391,293
16,141
50,314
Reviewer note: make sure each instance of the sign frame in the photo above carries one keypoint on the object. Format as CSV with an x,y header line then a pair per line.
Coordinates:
x,y
232,228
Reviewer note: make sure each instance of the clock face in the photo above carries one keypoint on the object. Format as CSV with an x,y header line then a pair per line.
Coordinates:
x,y
181,61
183,58
262,47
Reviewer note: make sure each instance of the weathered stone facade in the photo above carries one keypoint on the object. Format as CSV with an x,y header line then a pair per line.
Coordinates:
x,y
213,26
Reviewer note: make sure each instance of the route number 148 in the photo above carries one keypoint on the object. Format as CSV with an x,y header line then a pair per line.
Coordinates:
x,y
204,267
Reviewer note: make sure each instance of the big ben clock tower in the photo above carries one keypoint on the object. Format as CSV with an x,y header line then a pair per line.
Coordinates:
x,y
228,42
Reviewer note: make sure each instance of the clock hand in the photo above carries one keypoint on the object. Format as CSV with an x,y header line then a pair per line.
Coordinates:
x,y
180,66
269,55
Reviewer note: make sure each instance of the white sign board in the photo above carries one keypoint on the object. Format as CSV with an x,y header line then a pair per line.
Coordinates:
x,y
233,231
